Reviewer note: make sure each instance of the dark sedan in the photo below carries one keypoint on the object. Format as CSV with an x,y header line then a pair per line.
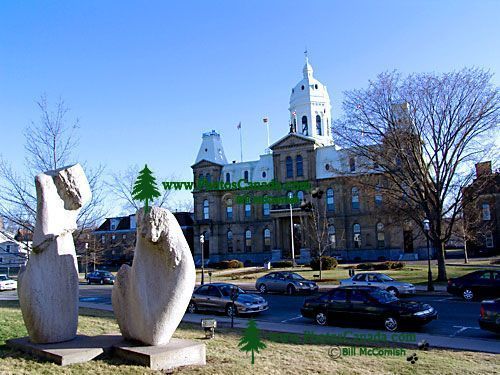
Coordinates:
x,y
366,304
483,283
100,277
285,282
490,315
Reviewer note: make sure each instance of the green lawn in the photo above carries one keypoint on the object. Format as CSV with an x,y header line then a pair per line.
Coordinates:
x,y
224,357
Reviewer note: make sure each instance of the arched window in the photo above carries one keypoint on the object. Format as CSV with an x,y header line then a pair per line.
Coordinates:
x,y
206,212
300,195
248,209
378,196
229,209
229,241
289,167
228,177
299,165
245,176
267,239
355,198
330,200
248,240
356,230
486,212
265,206
352,164
208,177
331,236
380,236
305,130
318,124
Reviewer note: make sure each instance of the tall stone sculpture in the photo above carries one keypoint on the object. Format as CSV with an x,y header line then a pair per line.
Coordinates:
x,y
151,297
48,286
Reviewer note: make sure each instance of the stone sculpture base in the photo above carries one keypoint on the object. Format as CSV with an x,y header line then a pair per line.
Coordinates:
x,y
80,349
177,353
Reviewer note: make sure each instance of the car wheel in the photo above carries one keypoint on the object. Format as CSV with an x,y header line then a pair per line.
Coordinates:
x,y
468,294
391,323
263,288
290,289
231,311
88,281
192,308
321,318
393,291
101,282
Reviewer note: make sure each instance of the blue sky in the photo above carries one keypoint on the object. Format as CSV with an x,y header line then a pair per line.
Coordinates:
x,y
147,78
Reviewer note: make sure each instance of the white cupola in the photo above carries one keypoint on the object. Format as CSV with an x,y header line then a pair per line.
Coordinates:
x,y
211,149
310,108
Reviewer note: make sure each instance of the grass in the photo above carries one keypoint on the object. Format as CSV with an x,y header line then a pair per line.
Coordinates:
x,y
415,273
224,357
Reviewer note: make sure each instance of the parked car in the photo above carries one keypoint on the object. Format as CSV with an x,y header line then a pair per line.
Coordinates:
x,y
381,281
6,283
482,283
285,282
217,297
366,304
490,315
100,277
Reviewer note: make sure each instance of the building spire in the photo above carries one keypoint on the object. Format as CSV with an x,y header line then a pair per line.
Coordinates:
x,y
308,70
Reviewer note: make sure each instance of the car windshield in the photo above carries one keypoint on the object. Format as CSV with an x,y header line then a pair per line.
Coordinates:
x,y
294,276
226,290
382,296
385,277
3,278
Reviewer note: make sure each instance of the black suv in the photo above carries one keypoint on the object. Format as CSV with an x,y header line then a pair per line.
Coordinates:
x,y
366,304
483,283
100,277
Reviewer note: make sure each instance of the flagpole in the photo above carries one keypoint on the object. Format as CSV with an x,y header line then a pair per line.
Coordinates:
x,y
241,145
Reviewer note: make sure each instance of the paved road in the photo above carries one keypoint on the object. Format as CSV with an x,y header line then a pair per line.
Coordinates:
x,y
457,318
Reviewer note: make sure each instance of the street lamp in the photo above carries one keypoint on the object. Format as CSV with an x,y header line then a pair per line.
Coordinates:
x,y
426,225
290,196
202,241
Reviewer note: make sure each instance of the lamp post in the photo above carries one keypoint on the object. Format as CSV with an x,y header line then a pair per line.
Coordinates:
x,y
426,225
202,241
290,196
86,258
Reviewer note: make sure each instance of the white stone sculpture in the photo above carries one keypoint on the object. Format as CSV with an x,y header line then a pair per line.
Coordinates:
x,y
151,297
48,285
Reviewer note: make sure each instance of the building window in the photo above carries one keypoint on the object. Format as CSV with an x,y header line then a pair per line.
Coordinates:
x,y
486,212
299,165
228,177
208,177
267,239
380,236
355,198
488,240
265,206
113,226
229,241
248,240
7,248
330,200
248,209
352,164
245,176
113,237
124,237
356,229
289,167
318,124
206,212
331,236
103,239
300,195
305,130
378,196
1,260
264,174
229,209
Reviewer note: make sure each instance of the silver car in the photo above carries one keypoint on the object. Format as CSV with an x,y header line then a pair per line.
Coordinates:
x,y
381,281
217,297
288,282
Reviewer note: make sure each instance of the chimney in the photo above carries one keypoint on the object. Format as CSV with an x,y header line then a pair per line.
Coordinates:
x,y
483,168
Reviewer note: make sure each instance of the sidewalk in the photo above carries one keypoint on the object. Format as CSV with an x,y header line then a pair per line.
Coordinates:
x,y
435,341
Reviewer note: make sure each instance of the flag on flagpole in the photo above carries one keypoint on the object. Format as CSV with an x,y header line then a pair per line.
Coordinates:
x,y
238,126
265,120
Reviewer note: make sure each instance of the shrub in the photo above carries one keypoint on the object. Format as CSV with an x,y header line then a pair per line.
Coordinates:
x,y
282,264
327,263
225,264
389,265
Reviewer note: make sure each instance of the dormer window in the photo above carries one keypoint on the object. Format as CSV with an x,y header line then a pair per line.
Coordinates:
x,y
264,174
352,164
245,176
316,86
302,87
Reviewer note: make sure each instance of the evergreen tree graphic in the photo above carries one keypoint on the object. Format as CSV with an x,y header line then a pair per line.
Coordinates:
x,y
145,188
251,339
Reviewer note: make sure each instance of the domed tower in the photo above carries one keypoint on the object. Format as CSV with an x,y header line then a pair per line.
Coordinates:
x,y
310,108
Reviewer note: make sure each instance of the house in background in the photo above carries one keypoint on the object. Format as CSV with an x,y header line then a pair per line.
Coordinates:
x,y
13,254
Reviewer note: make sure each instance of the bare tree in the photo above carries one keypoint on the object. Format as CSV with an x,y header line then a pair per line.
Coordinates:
x,y
49,145
122,184
423,132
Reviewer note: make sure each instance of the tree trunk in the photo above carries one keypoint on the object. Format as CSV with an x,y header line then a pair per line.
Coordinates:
x,y
438,246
